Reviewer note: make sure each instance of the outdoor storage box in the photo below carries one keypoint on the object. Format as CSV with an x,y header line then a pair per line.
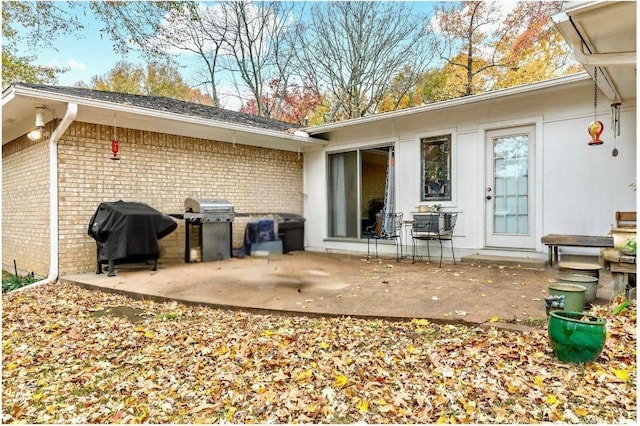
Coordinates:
x,y
291,232
258,231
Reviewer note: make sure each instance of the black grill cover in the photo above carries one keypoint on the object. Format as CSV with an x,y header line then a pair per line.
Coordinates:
x,y
129,230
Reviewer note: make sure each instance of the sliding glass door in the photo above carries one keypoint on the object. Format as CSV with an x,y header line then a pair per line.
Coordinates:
x,y
343,195
356,186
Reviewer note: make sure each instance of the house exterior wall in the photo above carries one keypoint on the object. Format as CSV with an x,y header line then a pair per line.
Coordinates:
x,y
156,169
25,206
578,188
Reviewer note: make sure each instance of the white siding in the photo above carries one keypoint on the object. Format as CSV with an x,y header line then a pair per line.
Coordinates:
x,y
579,187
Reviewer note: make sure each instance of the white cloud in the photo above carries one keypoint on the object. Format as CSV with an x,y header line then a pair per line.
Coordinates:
x,y
75,65
231,99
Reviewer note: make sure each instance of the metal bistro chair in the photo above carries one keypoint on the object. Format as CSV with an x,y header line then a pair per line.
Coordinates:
x,y
435,226
393,231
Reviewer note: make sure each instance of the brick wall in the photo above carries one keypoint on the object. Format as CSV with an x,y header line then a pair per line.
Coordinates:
x,y
162,171
25,206
374,178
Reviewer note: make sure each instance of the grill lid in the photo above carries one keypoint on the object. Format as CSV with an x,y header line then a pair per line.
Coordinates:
x,y
207,206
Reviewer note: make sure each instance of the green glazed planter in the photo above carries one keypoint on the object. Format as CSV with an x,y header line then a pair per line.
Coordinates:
x,y
575,336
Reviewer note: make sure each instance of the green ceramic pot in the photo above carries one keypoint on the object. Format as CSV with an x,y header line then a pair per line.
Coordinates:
x,y
576,336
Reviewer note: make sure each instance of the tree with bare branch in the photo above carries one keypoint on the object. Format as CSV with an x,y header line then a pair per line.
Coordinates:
x,y
197,30
258,39
245,44
353,50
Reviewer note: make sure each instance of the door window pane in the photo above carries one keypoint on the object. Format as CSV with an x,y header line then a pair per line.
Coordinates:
x,y
511,184
374,164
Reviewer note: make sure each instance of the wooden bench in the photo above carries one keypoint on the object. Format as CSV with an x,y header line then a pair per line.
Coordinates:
x,y
553,241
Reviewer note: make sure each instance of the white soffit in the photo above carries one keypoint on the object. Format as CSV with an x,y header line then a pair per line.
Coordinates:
x,y
603,34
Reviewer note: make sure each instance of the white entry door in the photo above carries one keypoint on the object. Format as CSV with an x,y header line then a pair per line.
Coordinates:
x,y
509,188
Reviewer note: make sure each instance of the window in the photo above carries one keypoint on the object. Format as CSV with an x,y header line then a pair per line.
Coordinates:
x,y
436,168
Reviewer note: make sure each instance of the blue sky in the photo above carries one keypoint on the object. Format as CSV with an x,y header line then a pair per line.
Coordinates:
x,y
90,54
87,55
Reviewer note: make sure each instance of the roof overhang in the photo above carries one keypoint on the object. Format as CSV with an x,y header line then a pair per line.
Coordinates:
x,y
602,34
18,118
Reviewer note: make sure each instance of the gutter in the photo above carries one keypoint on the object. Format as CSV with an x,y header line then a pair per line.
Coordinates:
x,y
8,94
602,59
54,246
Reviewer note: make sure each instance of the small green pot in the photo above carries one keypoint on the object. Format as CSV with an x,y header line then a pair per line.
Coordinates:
x,y
573,295
590,283
575,336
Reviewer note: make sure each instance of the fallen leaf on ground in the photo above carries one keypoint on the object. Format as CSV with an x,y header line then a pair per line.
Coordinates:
x,y
194,364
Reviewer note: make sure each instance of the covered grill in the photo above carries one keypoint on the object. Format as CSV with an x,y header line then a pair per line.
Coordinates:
x,y
128,232
213,220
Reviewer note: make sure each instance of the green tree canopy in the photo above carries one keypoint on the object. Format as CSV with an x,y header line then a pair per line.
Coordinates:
x,y
30,25
153,80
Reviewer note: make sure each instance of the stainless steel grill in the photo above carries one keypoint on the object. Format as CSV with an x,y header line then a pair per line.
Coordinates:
x,y
213,220
208,210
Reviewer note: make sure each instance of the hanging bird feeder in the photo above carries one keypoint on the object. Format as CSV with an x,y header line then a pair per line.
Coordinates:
x,y
596,127
115,146
114,149
595,130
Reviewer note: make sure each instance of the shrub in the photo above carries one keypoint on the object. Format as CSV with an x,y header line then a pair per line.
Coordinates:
x,y
12,282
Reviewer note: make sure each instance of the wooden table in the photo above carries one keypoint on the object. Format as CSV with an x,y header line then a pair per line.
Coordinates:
x,y
553,241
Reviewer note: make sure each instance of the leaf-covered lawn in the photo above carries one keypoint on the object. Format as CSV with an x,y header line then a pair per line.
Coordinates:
x,y
63,364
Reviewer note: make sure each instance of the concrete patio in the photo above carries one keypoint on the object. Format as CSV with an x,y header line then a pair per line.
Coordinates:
x,y
503,292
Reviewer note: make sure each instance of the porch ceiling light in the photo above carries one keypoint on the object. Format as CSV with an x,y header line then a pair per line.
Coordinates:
x,y
36,133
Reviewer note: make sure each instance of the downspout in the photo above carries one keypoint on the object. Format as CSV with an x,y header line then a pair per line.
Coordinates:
x,y
54,247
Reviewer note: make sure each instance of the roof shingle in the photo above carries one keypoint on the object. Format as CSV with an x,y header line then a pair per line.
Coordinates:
x,y
162,103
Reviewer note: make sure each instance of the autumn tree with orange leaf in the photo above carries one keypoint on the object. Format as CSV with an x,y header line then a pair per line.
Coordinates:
x,y
537,48
294,103
483,50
